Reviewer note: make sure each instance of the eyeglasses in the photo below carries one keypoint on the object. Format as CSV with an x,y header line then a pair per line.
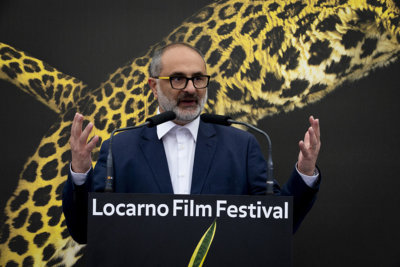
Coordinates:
x,y
180,82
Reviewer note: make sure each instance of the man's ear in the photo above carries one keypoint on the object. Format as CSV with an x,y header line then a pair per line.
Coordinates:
x,y
153,86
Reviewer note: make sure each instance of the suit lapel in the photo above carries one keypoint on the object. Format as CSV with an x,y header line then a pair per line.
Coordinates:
x,y
205,148
153,150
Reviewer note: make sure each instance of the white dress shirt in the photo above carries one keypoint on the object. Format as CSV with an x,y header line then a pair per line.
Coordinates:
x,y
179,145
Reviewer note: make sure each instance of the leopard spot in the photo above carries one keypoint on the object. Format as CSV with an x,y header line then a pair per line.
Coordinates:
x,y
48,251
64,135
329,24
65,170
108,89
139,76
253,73
296,88
129,84
35,222
20,220
47,78
290,58
292,10
65,233
254,25
57,94
29,173
141,115
204,44
339,67
235,61
19,200
368,47
224,44
129,106
100,119
351,38
211,24
213,89
248,11
41,239
178,35
60,188
131,122
141,62
319,51
9,51
10,72
203,15
273,6
228,11
76,93
317,87
55,262
140,104
32,65
37,87
153,106
48,67
5,233
49,170
226,28
304,24
273,40
11,263
90,107
42,196
116,102
127,71
234,93
28,261
54,213
196,31
67,91
18,244
272,83
136,91
69,115
47,150
214,58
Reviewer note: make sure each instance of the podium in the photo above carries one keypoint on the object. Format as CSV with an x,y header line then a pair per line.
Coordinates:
x,y
164,230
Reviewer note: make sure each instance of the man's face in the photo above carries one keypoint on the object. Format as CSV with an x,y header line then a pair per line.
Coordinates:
x,y
186,103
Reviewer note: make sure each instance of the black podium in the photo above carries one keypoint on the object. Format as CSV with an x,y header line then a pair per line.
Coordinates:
x,y
164,230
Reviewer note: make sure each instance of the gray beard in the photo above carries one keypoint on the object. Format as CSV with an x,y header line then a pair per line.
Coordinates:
x,y
183,116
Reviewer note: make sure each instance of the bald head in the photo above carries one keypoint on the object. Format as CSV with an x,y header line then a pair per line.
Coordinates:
x,y
156,62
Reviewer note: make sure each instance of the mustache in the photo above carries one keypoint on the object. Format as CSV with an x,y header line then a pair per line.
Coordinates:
x,y
186,97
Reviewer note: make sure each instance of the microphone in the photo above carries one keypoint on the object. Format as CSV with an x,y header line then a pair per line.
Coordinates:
x,y
150,122
227,121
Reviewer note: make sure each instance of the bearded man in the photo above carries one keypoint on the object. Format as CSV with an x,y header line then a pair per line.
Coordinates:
x,y
184,156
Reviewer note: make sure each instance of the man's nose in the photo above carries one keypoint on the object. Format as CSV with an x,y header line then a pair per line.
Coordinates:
x,y
190,87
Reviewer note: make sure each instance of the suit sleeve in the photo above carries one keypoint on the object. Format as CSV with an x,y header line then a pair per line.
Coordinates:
x,y
75,198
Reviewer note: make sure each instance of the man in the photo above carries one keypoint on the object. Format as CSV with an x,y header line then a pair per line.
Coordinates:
x,y
185,156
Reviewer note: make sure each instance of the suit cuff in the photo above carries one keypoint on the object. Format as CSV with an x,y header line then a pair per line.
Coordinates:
x,y
310,181
78,178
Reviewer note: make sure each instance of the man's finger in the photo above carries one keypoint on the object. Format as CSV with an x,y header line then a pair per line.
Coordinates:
x,y
85,134
303,149
76,127
92,144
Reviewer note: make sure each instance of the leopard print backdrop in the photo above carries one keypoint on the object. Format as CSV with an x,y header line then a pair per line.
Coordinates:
x,y
265,57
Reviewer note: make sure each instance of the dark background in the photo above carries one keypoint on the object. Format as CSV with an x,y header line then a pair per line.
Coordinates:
x,y
356,217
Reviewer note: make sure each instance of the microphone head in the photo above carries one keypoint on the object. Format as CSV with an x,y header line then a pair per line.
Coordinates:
x,y
161,118
217,119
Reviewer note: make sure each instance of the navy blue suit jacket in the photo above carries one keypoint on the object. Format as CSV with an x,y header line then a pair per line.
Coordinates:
x,y
227,161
